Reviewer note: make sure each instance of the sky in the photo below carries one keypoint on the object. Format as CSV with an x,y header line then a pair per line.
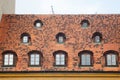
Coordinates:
x,y
67,6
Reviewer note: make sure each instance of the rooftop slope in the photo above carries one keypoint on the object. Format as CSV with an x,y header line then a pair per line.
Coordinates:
x,y
44,40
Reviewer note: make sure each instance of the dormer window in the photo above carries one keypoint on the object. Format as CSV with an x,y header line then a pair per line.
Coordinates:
x,y
35,58
111,58
97,37
85,23
60,58
9,59
86,58
38,24
60,37
25,38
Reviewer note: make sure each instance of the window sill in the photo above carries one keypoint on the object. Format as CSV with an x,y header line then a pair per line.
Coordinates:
x,y
60,42
38,28
34,65
59,65
26,43
8,66
84,27
112,66
85,65
97,43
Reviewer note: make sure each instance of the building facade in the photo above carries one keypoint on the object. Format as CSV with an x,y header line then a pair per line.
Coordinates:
x,y
64,44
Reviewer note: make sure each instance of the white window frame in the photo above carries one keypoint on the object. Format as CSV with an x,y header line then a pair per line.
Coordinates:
x,y
85,24
97,39
61,39
25,39
38,24
8,59
60,59
35,59
85,59
111,59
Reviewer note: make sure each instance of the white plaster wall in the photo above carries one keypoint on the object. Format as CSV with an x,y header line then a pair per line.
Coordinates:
x,y
7,7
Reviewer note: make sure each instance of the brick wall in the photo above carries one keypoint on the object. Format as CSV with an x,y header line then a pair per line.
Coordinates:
x,y
44,40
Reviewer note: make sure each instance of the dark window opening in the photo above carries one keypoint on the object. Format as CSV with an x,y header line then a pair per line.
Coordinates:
x,y
60,58
85,23
111,58
35,58
60,37
38,23
97,37
25,38
86,58
9,59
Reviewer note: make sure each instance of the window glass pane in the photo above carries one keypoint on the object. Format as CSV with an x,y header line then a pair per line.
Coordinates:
x,y
84,24
83,60
11,56
62,62
60,39
25,39
11,62
6,58
62,57
57,59
5,62
32,55
38,24
37,59
37,63
108,59
37,55
32,59
32,63
113,59
97,39
88,59
57,62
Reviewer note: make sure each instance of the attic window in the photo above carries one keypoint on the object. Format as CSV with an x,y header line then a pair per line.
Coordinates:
x,y
97,37
60,58
9,59
111,58
60,37
25,38
85,23
38,24
86,57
